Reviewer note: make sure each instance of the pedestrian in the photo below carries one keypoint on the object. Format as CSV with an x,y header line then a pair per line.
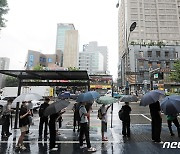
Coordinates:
x,y
170,119
6,116
103,110
84,127
76,120
23,124
59,120
43,119
126,109
52,131
156,122
30,117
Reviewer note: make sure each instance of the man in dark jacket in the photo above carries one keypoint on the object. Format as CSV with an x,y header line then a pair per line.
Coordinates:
x,y
43,119
126,121
156,122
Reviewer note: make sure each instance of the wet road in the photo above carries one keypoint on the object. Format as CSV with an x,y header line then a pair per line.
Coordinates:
x,y
139,143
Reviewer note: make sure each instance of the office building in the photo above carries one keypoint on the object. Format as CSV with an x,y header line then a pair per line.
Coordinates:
x,y
157,25
94,58
61,37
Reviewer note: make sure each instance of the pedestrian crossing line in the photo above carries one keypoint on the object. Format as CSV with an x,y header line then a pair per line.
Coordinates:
x,y
146,117
63,142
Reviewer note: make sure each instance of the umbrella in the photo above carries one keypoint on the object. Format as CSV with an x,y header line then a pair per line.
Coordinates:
x,y
88,96
151,97
170,105
116,95
28,97
128,98
55,107
106,100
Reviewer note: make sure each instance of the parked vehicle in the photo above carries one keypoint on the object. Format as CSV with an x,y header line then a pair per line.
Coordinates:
x,y
3,101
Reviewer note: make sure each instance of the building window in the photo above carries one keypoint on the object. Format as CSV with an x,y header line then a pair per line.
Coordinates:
x,y
44,59
158,64
150,64
149,53
141,54
166,53
31,57
49,60
158,54
176,56
167,64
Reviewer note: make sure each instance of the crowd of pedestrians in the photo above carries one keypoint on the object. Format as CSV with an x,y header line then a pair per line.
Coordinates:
x,y
81,121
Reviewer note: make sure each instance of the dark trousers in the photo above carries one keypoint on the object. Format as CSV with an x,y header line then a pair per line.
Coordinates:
x,y
156,124
52,132
126,128
43,122
5,126
84,130
176,123
75,123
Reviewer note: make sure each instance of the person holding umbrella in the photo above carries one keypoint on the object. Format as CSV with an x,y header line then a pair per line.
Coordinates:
x,y
23,124
126,120
43,119
103,110
84,128
156,122
170,119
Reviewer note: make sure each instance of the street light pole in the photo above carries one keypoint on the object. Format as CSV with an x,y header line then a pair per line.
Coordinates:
x,y
132,27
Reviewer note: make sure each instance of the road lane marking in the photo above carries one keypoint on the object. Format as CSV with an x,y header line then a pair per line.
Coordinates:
x,y
146,117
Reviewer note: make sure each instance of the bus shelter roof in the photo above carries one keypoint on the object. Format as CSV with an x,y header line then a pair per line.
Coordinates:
x,y
47,74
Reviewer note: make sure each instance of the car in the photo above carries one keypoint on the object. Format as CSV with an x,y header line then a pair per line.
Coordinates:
x,y
3,101
64,95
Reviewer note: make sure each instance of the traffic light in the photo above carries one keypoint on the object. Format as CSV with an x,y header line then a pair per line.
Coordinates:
x,y
158,76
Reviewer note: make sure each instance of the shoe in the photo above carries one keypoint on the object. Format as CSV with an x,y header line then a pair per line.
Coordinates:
x,y
159,142
9,134
82,147
172,134
104,139
22,147
91,149
56,146
54,149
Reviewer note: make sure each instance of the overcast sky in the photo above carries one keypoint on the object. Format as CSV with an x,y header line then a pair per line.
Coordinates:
x,y
32,24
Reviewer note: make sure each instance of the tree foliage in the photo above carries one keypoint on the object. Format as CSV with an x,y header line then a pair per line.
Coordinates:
x,y
3,10
175,75
38,67
11,82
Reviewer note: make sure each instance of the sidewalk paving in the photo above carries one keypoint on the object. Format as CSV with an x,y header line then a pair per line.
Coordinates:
x,y
139,143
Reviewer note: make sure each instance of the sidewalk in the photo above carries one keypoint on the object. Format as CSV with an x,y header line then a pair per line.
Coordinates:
x,y
139,143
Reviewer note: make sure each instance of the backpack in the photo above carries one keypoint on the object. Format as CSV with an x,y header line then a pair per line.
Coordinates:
x,y
99,114
42,109
121,114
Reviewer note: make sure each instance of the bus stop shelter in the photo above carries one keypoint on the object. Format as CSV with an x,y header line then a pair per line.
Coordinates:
x,y
47,78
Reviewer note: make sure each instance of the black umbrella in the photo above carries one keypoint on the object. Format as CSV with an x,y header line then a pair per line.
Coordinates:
x,y
55,107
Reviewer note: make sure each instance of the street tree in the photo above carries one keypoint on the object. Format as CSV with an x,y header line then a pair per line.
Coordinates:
x,y
11,81
38,67
3,10
175,75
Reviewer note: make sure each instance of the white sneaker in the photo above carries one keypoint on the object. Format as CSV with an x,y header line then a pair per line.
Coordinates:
x,y
54,149
91,149
56,146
